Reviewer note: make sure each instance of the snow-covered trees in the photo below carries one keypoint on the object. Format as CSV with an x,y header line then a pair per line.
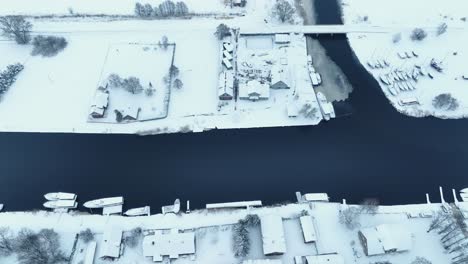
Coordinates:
x,y
17,28
167,8
8,76
48,46
370,206
418,34
241,239
222,31
445,102
86,235
308,111
283,10
6,242
421,260
131,84
178,84
133,239
350,217
442,28
39,248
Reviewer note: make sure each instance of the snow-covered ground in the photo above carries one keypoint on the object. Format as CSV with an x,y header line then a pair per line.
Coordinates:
x,y
213,230
54,94
402,17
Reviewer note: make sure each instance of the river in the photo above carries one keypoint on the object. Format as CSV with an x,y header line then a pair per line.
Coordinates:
x,y
375,152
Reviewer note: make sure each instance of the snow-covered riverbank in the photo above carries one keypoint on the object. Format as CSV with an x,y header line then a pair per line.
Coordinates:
x,y
214,230
445,47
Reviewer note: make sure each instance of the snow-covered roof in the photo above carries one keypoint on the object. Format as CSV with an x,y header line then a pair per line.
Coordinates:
x,y
227,63
254,90
101,99
280,73
262,261
386,238
90,252
96,111
131,112
228,46
308,228
226,84
173,245
273,234
325,259
293,109
282,38
111,242
314,197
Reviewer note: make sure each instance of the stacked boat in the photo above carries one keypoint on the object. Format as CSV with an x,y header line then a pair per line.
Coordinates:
x,y
60,201
464,194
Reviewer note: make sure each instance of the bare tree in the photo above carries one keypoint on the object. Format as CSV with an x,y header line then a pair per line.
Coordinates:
x,y
418,34
283,10
442,28
39,248
86,235
16,27
308,110
445,102
132,84
350,217
222,31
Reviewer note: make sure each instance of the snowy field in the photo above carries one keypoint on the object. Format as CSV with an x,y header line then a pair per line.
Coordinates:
x,y
448,48
54,94
214,230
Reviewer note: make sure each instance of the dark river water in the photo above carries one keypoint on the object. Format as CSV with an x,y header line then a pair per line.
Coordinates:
x,y
375,152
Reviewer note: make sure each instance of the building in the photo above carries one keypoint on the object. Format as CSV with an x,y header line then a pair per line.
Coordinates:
x,y
101,101
227,63
172,245
308,228
262,261
239,3
384,239
282,38
90,252
254,91
111,243
280,77
130,113
325,259
274,242
226,85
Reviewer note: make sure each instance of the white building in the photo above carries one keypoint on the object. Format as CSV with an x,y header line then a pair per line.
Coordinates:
x,y
226,85
384,239
308,228
280,77
172,245
254,91
325,259
111,243
274,242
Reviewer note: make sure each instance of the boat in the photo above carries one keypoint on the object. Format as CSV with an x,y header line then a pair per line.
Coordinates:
x,y
326,107
104,202
316,197
138,211
464,190
54,196
1,207
61,204
464,197
175,208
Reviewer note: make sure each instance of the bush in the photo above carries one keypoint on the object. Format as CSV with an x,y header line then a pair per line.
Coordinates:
x,y
283,10
115,80
39,248
445,102
178,84
441,29
17,28
418,34
132,84
133,238
222,31
86,235
48,46
118,116
350,217
8,76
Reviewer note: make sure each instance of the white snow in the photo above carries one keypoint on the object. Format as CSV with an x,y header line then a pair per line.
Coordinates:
x,y
403,17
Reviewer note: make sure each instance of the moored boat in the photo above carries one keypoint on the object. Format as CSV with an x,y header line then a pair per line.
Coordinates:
x,y
138,211
464,190
61,204
1,207
54,196
104,202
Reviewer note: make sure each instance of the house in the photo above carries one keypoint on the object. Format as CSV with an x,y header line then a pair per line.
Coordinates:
x,y
172,244
325,259
226,85
100,103
308,228
282,38
254,91
274,242
111,243
384,239
280,77
130,113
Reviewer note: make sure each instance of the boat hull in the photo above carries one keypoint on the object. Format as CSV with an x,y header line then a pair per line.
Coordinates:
x,y
105,202
138,211
69,204
59,196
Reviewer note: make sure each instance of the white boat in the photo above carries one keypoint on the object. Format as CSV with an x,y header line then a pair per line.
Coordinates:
x,y
138,211
316,197
104,202
1,207
464,190
171,208
464,197
61,204
326,107
54,196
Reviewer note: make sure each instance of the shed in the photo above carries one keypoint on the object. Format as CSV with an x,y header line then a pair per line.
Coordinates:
x,y
172,244
280,77
227,55
254,91
282,38
226,85
111,243
385,239
325,259
228,47
274,242
90,252
100,103
308,229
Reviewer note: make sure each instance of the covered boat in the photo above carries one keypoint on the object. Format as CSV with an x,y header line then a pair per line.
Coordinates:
x,y
138,211
54,196
61,204
104,202
1,207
